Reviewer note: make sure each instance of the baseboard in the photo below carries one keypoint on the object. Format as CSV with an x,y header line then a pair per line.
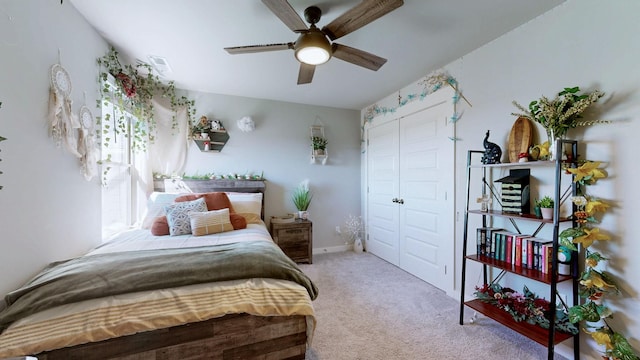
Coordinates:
x,y
332,249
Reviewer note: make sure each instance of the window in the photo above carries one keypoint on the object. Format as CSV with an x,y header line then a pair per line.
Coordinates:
x,y
118,180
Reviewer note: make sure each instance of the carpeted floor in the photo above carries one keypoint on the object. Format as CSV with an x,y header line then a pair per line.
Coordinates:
x,y
370,309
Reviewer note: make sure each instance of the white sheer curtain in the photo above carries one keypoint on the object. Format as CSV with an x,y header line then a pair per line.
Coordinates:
x,y
168,154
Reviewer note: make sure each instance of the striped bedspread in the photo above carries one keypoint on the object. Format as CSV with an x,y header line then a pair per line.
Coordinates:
x,y
118,315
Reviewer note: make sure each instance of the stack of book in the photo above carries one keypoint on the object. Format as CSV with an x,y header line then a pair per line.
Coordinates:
x,y
519,250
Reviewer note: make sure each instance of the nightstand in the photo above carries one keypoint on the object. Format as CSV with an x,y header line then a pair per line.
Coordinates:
x,y
295,239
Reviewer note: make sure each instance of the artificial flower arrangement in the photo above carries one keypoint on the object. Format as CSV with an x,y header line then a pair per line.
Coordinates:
x,y
524,307
352,228
595,284
561,113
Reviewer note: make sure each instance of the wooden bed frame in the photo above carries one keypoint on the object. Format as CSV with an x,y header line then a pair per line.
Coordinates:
x,y
234,336
239,337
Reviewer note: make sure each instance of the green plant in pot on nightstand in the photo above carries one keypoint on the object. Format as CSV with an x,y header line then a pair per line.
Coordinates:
x,y
302,198
546,207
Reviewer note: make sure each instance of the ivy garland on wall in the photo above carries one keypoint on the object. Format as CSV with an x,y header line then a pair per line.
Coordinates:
x,y
431,83
135,87
130,90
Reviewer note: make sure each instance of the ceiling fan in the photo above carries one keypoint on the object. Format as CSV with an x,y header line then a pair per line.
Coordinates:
x,y
313,46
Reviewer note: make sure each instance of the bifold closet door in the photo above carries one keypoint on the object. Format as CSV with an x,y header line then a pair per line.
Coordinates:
x,y
410,192
426,178
382,184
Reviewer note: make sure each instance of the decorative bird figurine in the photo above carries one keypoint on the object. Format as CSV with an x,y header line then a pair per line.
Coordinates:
x,y
492,152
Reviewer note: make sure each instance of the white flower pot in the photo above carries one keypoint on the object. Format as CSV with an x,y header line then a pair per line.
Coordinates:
x,y
547,213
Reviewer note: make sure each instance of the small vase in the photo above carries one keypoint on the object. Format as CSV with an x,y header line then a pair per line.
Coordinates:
x,y
304,215
536,210
357,245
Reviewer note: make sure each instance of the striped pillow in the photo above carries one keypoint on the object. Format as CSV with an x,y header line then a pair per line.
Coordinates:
x,y
210,222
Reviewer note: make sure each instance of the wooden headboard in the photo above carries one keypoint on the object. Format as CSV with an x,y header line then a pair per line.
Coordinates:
x,y
216,185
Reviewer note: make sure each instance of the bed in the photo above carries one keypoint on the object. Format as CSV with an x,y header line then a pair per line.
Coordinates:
x,y
178,296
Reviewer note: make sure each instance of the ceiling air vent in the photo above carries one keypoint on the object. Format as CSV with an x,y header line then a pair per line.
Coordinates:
x,y
160,64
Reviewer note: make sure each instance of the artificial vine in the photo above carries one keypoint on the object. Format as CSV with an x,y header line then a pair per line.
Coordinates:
x,y
135,87
595,284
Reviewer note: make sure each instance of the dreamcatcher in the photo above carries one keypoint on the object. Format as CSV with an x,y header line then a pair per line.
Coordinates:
x,y
63,124
87,144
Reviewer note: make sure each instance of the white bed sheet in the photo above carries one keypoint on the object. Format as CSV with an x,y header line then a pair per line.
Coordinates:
x,y
142,239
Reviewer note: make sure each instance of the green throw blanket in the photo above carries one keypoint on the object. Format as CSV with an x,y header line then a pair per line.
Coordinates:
x,y
96,276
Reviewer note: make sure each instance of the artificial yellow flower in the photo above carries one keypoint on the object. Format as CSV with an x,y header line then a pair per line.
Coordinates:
x,y
591,262
596,281
596,206
590,236
544,150
588,169
602,338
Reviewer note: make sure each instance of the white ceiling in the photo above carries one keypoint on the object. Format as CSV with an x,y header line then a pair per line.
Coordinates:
x,y
418,38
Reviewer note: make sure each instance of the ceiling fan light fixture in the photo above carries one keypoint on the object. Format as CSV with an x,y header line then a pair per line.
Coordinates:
x,y
313,48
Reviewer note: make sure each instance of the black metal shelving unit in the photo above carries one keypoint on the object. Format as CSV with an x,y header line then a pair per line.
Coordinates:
x,y
546,337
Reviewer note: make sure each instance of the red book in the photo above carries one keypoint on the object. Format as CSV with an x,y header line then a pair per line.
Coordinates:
x,y
508,248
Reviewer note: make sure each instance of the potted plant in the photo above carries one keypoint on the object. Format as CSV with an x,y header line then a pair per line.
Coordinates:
x,y
546,205
302,198
319,145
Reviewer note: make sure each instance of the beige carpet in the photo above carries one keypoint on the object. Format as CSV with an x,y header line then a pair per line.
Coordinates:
x,y
370,309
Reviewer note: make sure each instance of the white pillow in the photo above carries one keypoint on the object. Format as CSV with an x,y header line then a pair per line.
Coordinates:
x,y
155,207
178,215
210,222
248,205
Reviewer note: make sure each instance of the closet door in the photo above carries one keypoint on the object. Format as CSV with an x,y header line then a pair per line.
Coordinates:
x,y
426,178
382,184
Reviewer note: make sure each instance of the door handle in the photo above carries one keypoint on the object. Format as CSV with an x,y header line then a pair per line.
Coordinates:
x,y
395,200
400,201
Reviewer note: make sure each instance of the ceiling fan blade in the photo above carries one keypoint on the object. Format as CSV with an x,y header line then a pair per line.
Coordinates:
x,y
258,48
283,10
358,57
359,16
305,75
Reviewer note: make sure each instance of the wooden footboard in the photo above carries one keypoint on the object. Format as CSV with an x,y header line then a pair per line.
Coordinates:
x,y
234,336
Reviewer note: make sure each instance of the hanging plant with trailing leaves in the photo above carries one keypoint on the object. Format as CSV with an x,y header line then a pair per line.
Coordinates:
x,y
131,89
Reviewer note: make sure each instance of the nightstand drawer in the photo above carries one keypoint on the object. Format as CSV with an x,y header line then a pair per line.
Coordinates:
x,y
286,236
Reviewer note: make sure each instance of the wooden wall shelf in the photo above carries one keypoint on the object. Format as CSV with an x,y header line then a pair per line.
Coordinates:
x,y
217,140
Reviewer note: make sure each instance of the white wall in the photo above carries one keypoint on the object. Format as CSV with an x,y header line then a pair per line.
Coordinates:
x,y
48,210
586,43
280,146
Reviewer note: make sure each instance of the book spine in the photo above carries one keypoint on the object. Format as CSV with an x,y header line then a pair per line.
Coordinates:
x,y
518,253
481,234
492,253
502,247
524,252
530,254
508,249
